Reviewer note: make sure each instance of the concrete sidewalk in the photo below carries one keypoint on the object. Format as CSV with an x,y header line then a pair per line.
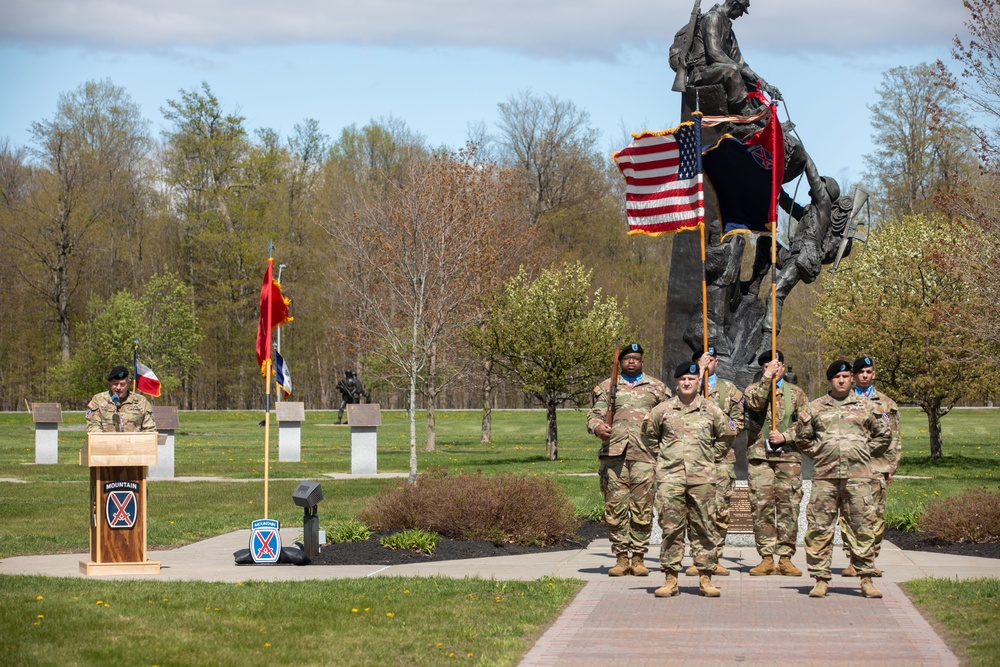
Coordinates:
x,y
757,621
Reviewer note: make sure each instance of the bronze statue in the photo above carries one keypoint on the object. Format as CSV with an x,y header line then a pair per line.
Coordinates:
x,y
351,392
713,56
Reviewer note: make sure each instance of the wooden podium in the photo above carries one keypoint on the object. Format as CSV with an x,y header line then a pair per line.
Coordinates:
x,y
117,464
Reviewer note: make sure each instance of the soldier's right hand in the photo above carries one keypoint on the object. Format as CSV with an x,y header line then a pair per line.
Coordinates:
x,y
603,431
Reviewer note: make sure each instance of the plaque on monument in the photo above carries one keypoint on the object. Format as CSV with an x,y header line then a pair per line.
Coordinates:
x,y
740,517
290,412
46,413
165,417
364,414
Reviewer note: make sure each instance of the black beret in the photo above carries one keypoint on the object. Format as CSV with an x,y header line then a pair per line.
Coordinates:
x,y
837,367
687,368
861,363
629,349
711,352
766,357
118,373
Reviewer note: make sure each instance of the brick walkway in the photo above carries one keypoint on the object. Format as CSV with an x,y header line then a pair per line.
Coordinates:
x,y
757,621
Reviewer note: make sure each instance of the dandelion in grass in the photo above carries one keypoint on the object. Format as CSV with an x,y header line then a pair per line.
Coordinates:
x,y
354,611
39,598
267,645
389,614
100,602
439,645
406,592
40,616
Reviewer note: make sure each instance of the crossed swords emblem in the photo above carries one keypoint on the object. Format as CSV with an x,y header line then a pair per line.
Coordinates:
x,y
121,513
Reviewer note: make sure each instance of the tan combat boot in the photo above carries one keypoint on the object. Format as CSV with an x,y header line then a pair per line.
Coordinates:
x,y
868,589
621,568
849,571
766,567
669,587
720,571
691,571
819,590
639,568
707,588
787,568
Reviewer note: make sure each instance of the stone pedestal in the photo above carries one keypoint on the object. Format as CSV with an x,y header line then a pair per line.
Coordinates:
x,y
46,417
290,418
166,420
364,419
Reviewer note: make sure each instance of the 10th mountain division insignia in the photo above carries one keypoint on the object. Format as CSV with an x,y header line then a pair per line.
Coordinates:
x,y
265,542
121,506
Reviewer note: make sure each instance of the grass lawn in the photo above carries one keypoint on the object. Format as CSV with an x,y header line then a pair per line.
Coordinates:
x,y
968,611
375,621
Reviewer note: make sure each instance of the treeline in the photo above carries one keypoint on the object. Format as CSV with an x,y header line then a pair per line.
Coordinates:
x,y
115,235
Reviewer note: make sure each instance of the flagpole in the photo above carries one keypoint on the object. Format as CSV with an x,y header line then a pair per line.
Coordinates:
x,y
135,364
773,214
267,385
701,226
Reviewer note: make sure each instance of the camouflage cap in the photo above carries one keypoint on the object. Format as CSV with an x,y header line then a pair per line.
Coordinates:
x,y
118,373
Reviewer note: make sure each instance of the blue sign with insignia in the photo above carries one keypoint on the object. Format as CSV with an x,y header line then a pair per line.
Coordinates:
x,y
121,507
265,542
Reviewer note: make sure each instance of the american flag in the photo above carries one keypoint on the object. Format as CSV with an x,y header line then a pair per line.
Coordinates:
x,y
664,192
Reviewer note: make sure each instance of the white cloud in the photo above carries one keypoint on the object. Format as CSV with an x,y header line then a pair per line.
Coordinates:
x,y
556,28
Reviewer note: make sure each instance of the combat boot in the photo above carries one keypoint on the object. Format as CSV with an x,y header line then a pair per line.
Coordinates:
x,y
787,568
639,568
707,588
720,571
691,571
669,587
868,589
819,590
849,571
766,567
621,568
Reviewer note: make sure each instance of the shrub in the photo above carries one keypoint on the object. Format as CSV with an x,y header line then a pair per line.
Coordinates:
x,y
905,520
351,530
972,516
519,509
413,539
596,513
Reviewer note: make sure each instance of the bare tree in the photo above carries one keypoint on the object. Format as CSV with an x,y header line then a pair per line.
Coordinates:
x,y
421,246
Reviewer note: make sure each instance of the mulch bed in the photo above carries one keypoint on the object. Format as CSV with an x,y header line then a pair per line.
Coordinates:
x,y
371,552
921,542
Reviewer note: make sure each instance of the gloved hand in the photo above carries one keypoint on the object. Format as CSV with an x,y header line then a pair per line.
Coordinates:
x,y
772,448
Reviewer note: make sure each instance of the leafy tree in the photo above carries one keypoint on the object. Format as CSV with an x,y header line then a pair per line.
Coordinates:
x,y
888,307
162,319
921,145
552,336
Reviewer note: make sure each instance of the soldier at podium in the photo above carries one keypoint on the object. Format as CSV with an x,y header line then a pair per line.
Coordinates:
x,y
119,409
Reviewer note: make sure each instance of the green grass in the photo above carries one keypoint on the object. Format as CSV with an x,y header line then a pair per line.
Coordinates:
x,y
49,514
372,621
969,611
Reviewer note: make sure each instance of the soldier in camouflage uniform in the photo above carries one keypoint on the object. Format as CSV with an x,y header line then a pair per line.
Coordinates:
x,y
839,432
692,436
883,463
775,478
119,409
627,460
729,399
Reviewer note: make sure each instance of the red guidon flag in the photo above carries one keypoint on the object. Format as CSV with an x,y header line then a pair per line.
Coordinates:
x,y
273,313
146,380
664,191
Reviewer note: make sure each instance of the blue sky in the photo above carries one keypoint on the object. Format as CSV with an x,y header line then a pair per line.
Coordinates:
x,y
440,65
